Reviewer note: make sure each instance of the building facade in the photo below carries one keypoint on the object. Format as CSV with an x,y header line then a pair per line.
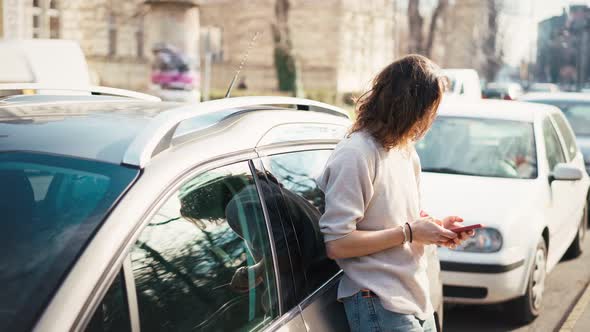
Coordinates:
x,y
563,46
339,44
115,36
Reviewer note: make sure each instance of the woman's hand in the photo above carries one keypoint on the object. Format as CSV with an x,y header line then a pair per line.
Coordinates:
x,y
454,222
427,230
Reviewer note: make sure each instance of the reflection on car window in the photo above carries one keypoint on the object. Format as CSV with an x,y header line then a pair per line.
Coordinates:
x,y
296,172
204,263
552,145
566,133
479,147
50,206
112,314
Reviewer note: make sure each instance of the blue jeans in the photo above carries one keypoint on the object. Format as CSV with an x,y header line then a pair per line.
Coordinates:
x,y
366,314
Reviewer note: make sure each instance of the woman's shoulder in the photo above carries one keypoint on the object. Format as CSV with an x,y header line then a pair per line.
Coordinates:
x,y
360,141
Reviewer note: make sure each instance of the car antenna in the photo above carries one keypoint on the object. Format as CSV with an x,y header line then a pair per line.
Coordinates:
x,y
244,59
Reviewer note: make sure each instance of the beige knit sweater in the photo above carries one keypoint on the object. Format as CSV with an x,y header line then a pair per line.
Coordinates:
x,y
368,188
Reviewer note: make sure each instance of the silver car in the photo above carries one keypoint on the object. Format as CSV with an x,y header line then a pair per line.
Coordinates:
x,y
123,214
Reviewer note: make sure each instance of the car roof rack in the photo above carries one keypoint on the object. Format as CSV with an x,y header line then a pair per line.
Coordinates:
x,y
97,90
158,133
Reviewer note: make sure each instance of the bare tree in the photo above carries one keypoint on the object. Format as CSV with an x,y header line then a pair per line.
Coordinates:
x,y
417,43
285,60
492,44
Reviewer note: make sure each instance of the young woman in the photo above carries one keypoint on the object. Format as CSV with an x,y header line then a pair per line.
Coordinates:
x,y
373,224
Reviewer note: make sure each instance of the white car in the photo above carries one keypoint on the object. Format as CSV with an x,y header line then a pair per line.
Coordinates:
x,y
515,168
463,82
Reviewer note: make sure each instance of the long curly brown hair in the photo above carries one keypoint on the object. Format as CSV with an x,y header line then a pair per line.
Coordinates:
x,y
402,102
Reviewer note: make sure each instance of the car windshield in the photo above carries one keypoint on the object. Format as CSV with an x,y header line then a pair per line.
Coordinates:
x,y
479,147
578,116
50,206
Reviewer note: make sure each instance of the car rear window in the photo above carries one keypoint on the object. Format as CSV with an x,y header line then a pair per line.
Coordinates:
x,y
50,207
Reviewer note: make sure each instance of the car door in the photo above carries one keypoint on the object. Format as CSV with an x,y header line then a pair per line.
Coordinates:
x,y
301,204
206,260
575,158
560,193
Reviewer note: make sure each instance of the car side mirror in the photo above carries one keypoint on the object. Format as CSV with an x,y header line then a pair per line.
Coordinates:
x,y
565,172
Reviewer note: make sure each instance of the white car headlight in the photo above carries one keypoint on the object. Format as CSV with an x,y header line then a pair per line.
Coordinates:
x,y
485,240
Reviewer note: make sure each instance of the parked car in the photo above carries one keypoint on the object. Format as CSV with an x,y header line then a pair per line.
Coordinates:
x,y
159,216
544,87
513,167
502,90
576,108
463,82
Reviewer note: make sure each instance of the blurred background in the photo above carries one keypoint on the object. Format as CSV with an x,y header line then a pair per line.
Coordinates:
x,y
326,50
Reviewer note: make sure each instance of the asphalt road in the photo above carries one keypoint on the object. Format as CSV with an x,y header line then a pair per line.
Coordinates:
x,y
564,286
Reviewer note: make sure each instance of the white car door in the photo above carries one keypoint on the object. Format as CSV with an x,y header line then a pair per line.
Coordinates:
x,y
560,191
575,158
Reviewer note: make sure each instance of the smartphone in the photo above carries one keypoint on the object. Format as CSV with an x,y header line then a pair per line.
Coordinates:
x,y
466,228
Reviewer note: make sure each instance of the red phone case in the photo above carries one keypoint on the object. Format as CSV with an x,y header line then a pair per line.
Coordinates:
x,y
466,228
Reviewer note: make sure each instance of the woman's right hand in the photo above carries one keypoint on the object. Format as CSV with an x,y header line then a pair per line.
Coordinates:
x,y
426,231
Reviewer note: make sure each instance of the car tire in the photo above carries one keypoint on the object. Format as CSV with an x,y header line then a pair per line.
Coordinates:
x,y
576,247
527,307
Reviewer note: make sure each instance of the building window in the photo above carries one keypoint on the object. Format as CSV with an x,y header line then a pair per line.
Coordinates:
x,y
36,11
54,21
112,26
46,19
139,38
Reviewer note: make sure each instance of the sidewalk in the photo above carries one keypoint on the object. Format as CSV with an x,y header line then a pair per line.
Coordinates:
x,y
579,319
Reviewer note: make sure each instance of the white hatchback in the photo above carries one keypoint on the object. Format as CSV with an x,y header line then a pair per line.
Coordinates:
x,y
515,168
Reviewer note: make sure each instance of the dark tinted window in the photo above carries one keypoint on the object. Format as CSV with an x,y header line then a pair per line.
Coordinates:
x,y
50,207
552,145
204,262
296,173
112,314
566,133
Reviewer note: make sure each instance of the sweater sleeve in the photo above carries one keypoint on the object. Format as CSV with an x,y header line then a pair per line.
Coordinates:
x,y
347,183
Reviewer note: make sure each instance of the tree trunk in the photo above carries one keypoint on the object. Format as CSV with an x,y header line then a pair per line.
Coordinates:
x,y
491,46
438,11
286,63
415,24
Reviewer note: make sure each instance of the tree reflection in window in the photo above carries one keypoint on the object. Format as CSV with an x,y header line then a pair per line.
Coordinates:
x,y
204,263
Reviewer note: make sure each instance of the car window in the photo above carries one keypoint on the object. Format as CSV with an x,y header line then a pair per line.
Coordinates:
x,y
112,314
479,147
204,261
50,207
579,118
568,136
552,145
296,174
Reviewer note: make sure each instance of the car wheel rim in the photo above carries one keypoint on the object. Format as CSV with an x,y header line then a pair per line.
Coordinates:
x,y
538,279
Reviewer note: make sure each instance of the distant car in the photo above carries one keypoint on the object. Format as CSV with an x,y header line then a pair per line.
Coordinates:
x,y
502,90
463,82
544,87
121,214
514,168
576,108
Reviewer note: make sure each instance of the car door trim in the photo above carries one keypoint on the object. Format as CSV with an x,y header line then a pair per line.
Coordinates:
x,y
281,148
275,262
321,290
131,294
283,319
